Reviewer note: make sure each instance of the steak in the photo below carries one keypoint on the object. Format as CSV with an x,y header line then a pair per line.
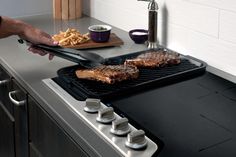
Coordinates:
x,y
109,73
154,59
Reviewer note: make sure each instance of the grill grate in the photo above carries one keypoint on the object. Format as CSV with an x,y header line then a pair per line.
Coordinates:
x,y
82,89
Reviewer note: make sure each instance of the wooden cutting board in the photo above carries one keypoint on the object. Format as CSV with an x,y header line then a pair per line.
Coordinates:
x,y
113,41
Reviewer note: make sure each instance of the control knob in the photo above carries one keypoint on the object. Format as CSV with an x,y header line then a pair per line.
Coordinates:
x,y
136,140
120,127
92,105
106,115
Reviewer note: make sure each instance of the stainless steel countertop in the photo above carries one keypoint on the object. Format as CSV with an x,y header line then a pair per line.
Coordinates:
x,y
30,69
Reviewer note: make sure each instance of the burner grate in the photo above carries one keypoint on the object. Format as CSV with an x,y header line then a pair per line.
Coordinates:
x,y
82,89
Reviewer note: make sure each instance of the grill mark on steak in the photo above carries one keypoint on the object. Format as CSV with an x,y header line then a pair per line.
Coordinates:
x,y
154,59
109,73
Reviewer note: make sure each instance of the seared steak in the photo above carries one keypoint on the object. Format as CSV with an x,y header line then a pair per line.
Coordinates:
x,y
154,59
109,73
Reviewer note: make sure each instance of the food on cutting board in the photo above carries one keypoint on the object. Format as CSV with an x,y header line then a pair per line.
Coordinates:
x,y
109,73
154,59
71,37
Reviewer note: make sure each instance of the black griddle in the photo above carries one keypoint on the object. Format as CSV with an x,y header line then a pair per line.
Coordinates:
x,y
148,78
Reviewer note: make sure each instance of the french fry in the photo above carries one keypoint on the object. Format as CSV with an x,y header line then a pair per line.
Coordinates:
x,y
71,37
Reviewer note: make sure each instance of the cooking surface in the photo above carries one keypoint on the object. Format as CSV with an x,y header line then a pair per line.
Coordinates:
x,y
82,89
192,118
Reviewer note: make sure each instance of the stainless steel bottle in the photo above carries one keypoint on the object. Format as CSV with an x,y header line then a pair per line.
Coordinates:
x,y
152,24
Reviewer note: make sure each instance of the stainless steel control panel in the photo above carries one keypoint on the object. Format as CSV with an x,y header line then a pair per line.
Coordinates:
x,y
129,141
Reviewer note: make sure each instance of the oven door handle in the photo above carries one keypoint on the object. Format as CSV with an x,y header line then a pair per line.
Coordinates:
x,y
17,103
2,82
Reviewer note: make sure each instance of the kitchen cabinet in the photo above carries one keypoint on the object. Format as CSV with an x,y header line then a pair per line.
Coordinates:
x,y
13,118
7,148
47,138
26,129
7,121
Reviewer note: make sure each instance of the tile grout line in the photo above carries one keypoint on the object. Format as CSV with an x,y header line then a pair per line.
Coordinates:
x,y
219,17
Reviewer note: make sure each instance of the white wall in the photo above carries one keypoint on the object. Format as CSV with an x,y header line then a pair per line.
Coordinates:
x,y
205,29
18,8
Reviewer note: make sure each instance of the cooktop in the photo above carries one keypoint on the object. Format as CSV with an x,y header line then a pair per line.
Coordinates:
x,y
196,117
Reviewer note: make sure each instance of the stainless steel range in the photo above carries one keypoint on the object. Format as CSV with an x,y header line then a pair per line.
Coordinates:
x,y
107,109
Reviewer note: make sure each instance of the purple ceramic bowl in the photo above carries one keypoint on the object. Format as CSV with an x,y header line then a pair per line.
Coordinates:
x,y
139,36
99,33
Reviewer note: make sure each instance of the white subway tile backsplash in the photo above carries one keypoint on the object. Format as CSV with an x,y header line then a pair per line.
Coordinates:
x,y
173,37
227,26
197,17
217,53
221,4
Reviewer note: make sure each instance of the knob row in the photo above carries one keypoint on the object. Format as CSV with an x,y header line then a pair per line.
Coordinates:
x,y
120,127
